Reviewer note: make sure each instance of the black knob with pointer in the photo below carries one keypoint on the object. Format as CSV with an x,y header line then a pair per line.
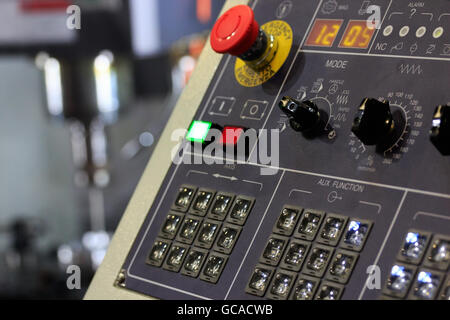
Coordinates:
x,y
374,123
304,116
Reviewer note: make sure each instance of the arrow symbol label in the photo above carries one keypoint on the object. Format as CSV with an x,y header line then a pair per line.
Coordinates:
x,y
219,176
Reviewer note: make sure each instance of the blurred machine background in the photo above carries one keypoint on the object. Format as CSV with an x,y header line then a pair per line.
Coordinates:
x,y
80,113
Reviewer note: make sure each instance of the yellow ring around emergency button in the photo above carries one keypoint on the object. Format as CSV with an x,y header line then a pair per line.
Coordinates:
x,y
248,77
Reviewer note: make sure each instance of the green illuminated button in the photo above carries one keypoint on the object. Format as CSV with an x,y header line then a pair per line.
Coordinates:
x,y
198,131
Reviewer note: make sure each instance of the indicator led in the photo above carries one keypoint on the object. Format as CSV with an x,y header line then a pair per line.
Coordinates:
x,y
198,131
438,32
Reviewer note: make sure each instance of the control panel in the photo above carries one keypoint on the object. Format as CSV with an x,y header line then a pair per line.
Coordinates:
x,y
317,164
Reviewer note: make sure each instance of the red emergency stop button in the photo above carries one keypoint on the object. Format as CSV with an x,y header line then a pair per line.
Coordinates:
x,y
235,31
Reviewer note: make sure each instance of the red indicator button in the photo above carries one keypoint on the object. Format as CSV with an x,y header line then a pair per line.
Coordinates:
x,y
231,135
235,31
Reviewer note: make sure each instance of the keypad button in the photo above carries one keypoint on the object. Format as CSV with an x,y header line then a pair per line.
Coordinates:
x,y
309,224
184,198
274,250
356,234
445,291
227,238
240,210
194,262
202,201
317,261
295,254
175,257
332,229
414,246
426,285
438,255
171,225
281,285
259,280
158,252
329,291
399,280
304,288
189,229
213,268
207,234
342,266
288,219
221,205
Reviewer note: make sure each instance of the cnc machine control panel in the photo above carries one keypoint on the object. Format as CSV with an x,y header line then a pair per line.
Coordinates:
x,y
352,99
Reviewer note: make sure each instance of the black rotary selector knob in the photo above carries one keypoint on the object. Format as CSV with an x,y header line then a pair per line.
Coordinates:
x,y
440,131
303,116
373,123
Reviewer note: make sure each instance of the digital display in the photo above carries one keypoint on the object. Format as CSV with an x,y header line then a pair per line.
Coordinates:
x,y
324,32
357,35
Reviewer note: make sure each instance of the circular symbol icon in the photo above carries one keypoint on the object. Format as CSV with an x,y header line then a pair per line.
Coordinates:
x,y
388,30
404,31
333,196
284,9
329,7
421,31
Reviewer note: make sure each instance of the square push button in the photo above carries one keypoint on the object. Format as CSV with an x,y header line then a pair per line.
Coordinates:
x,y
329,291
201,202
231,135
438,255
288,219
295,255
399,280
240,210
175,257
259,280
198,131
317,261
305,288
342,266
158,252
281,285
274,250
184,198
213,268
414,246
189,229
171,225
332,229
426,285
356,234
207,234
227,238
194,262
309,224
221,205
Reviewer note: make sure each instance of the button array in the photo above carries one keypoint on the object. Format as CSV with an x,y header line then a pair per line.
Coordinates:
x,y
420,268
200,232
305,247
